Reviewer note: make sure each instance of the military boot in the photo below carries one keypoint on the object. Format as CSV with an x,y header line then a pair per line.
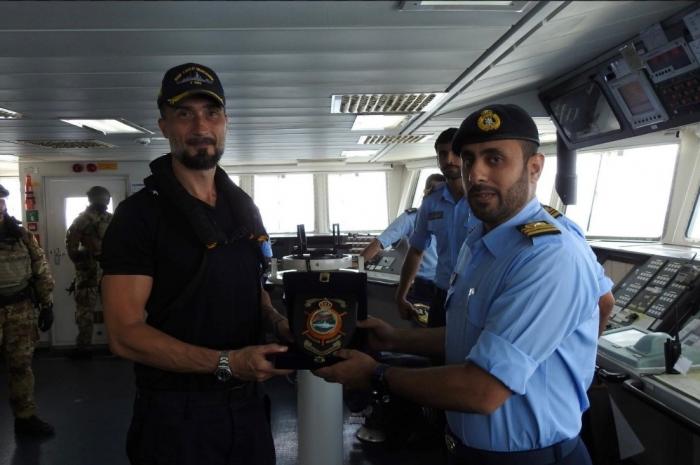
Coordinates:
x,y
33,426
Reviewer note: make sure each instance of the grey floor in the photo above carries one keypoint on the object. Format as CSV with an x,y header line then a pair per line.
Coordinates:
x,y
89,403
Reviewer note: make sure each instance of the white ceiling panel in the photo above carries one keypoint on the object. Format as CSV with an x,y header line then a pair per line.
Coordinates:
x,y
279,63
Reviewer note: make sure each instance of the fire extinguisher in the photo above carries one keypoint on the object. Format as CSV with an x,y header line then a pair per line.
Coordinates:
x,y
29,199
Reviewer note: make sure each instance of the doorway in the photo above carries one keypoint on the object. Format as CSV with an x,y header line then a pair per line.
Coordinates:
x,y
65,199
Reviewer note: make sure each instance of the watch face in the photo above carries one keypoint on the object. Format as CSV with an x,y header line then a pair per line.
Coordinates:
x,y
222,374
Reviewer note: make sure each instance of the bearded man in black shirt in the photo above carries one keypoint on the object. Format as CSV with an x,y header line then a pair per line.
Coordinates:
x,y
182,293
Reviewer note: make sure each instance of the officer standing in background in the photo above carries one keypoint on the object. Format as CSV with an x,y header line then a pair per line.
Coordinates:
x,y
84,246
423,288
445,215
24,277
522,315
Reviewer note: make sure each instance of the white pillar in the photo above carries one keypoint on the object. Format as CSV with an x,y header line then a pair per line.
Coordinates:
x,y
319,420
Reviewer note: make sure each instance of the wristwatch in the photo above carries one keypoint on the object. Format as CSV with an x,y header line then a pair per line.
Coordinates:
x,y
223,370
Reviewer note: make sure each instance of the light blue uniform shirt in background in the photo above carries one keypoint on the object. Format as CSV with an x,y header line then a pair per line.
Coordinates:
x,y
449,221
525,310
266,249
403,226
605,284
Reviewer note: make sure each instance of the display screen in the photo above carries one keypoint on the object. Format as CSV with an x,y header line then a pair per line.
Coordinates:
x,y
674,58
625,338
584,112
635,98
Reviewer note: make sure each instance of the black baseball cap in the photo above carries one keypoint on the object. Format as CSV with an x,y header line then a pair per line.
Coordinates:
x,y
190,79
496,122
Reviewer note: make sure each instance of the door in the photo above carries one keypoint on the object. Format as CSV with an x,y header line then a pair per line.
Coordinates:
x,y
65,199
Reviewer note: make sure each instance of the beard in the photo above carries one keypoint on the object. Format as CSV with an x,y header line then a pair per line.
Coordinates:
x,y
507,205
201,160
451,172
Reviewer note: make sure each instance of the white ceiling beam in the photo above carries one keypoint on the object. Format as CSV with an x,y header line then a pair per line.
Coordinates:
x,y
539,15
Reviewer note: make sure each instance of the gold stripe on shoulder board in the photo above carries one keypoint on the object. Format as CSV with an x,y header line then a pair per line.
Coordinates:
x,y
552,211
538,228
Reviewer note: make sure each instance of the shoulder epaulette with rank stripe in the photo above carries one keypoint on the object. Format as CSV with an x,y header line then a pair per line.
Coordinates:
x,y
411,210
552,211
538,228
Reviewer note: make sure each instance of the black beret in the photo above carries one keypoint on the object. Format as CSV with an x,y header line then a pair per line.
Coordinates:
x,y
495,122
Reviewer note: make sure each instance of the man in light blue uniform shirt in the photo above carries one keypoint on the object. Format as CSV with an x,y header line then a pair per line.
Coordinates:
x,y
443,218
423,288
606,302
522,316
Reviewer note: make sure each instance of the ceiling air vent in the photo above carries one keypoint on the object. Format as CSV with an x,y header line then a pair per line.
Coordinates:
x,y
382,139
384,103
68,144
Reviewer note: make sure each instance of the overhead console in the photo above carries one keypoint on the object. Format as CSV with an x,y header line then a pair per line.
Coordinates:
x,y
650,83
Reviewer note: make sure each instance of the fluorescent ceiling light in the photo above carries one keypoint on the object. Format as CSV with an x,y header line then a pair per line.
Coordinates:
x,y
108,126
464,3
515,6
377,122
357,153
10,158
9,114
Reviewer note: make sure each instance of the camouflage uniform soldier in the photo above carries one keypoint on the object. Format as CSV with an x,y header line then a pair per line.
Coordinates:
x,y
84,245
24,276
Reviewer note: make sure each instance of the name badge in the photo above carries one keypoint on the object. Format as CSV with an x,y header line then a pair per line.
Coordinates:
x,y
436,215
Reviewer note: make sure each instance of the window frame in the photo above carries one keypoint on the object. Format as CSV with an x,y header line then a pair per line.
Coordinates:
x,y
619,149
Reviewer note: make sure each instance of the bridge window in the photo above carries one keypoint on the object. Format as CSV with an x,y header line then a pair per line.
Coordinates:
x,y
418,195
285,201
545,186
13,202
236,179
693,232
624,193
357,201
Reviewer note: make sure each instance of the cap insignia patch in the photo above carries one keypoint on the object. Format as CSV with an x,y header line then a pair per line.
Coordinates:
x,y
488,121
194,74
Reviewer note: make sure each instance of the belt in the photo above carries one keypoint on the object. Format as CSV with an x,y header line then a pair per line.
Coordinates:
x,y
545,456
14,298
240,392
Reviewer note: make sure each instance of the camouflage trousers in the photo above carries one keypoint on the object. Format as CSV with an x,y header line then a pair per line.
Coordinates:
x,y
18,337
85,302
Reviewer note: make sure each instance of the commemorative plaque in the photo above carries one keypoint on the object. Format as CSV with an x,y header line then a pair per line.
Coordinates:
x,y
323,309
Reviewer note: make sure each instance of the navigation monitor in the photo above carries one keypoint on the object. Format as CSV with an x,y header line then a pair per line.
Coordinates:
x,y
671,60
638,101
584,113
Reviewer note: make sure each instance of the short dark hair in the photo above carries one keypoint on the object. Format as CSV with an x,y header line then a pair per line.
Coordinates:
x,y
529,148
445,137
435,177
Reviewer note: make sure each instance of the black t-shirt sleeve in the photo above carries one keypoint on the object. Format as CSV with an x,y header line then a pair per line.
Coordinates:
x,y
128,244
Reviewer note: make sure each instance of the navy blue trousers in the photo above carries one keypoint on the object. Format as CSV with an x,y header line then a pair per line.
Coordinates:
x,y
188,428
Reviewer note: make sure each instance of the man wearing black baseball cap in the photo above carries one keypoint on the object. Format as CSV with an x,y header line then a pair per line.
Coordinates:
x,y
522,319
182,293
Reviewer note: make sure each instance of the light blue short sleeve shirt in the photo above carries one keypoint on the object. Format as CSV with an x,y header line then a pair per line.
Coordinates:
x,y
525,310
604,283
448,220
403,226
